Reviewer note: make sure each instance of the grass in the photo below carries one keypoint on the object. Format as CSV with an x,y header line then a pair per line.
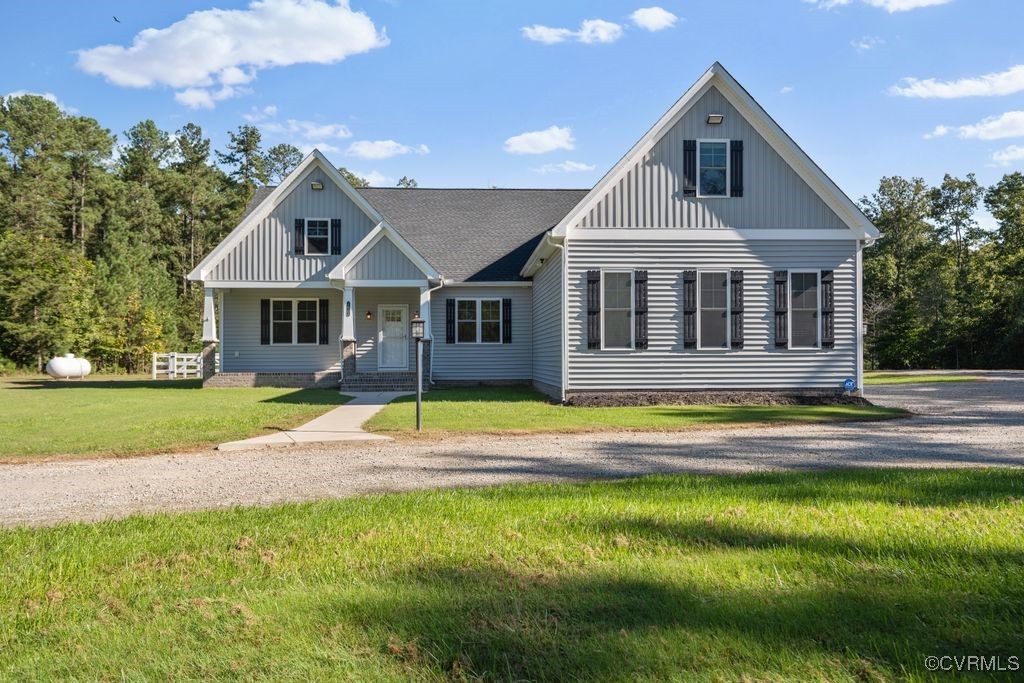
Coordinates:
x,y
809,576
123,417
919,378
523,410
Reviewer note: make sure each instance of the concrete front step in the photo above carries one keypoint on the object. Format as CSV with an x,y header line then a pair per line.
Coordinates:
x,y
380,381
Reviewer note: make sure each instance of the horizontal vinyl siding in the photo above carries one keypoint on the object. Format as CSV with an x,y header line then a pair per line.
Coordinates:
x,y
484,361
666,364
267,252
650,194
547,322
367,332
240,346
384,261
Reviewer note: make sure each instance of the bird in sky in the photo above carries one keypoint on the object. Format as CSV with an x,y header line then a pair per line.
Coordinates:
x,y
117,20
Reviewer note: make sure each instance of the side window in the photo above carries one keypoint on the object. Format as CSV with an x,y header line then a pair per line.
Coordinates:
x,y
490,321
714,310
713,172
617,310
804,310
306,323
318,241
281,321
465,321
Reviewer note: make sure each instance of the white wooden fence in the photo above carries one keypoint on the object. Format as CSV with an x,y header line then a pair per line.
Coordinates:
x,y
180,365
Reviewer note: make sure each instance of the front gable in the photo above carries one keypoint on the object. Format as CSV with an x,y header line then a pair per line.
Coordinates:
x,y
262,247
383,256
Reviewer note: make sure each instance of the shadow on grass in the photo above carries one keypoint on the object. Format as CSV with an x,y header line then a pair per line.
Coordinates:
x,y
509,394
112,383
310,397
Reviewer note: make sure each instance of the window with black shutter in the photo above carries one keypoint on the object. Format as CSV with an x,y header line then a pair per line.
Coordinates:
x,y
640,308
449,321
690,309
506,321
264,321
736,168
324,311
781,308
689,168
593,309
300,236
335,236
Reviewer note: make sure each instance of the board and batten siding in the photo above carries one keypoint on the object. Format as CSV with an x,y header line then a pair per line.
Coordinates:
x,y
368,332
482,362
267,252
547,326
384,261
650,194
666,364
240,348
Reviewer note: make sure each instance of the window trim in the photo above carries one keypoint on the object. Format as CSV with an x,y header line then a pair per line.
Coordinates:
x,y
479,320
789,311
295,323
632,309
305,237
728,169
728,311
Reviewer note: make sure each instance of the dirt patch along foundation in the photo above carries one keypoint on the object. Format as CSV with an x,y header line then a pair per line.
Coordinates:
x,y
712,398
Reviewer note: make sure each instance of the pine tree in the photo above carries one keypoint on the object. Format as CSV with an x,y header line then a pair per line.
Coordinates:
x,y
245,158
282,160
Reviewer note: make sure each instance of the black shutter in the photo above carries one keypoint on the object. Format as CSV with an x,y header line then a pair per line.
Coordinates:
x,y
736,168
506,321
449,321
593,309
323,313
640,308
781,308
690,309
335,236
689,168
736,282
828,310
300,236
264,321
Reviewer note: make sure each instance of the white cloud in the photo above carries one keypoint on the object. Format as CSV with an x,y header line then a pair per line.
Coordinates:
x,y
310,130
382,149
46,96
210,54
785,90
375,178
325,147
865,43
938,132
653,18
590,31
255,115
565,167
1007,156
1001,83
541,141
890,6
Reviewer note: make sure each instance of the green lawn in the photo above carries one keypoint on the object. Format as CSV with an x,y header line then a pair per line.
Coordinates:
x,y
46,418
522,410
907,378
805,576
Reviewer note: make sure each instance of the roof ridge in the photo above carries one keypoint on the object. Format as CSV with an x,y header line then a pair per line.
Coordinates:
x,y
486,189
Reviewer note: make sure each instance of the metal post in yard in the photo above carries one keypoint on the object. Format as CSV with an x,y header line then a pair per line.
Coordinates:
x,y
417,333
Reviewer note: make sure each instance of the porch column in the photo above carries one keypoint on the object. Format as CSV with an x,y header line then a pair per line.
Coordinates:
x,y
425,311
209,334
348,333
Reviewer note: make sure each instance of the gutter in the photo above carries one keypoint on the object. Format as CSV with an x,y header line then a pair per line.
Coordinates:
x,y
430,291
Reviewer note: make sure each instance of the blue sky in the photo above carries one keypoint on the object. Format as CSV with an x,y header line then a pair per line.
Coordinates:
x,y
435,90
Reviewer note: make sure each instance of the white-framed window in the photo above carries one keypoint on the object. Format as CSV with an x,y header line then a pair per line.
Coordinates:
x,y
478,321
804,309
617,309
713,306
318,236
712,168
294,321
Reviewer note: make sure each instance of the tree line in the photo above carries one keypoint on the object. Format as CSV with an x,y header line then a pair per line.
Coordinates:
x,y
97,236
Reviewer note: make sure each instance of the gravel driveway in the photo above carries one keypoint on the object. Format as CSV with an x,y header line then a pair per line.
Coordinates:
x,y
958,424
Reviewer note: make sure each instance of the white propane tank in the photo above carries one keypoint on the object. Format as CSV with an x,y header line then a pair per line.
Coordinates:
x,y
68,367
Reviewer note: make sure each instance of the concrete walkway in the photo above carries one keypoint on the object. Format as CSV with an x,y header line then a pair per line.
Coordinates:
x,y
344,423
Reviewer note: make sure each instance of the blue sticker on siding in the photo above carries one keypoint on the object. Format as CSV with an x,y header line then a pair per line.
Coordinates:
x,y
849,384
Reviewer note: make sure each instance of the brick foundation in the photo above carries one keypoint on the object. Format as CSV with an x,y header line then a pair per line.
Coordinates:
x,y
298,380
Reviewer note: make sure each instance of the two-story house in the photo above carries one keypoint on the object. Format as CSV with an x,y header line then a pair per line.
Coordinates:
x,y
714,255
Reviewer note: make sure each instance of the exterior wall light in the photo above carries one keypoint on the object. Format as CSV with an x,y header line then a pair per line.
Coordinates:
x,y
715,119
348,309
369,315
316,185
417,328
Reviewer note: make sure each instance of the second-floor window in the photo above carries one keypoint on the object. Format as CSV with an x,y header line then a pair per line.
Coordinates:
x,y
713,172
318,236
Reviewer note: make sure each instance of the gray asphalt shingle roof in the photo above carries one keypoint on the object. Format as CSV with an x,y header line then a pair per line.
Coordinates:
x,y
467,234
473,235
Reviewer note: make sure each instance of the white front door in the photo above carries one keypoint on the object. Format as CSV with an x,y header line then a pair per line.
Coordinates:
x,y
394,337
